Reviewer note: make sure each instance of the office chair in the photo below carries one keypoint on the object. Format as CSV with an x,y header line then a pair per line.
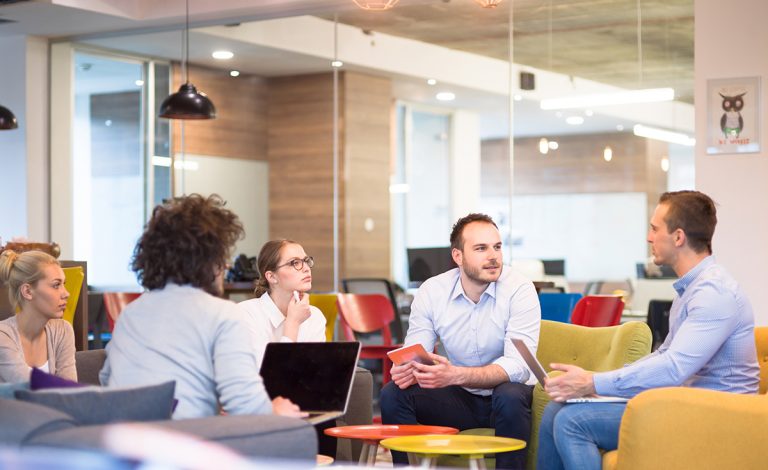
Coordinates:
x,y
368,313
598,310
371,285
658,320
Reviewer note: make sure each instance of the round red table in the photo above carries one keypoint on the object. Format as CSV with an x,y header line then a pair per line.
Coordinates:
x,y
371,434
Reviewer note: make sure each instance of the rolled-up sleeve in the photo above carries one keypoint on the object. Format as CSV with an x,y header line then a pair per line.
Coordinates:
x,y
524,323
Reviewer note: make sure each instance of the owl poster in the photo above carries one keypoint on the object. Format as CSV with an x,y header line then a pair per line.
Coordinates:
x,y
733,117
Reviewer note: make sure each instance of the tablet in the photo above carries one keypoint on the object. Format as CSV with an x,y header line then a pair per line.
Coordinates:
x,y
414,352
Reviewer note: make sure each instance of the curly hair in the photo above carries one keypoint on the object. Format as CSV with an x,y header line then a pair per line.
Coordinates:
x,y
457,238
185,242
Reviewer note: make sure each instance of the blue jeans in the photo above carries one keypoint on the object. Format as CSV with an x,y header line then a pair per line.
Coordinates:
x,y
571,435
508,410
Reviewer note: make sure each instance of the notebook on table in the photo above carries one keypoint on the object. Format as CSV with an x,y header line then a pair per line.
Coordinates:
x,y
541,375
315,376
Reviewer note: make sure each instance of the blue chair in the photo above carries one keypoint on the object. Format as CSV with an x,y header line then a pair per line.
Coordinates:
x,y
557,307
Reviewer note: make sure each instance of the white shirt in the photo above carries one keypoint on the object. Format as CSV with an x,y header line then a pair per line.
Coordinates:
x,y
478,334
202,342
269,322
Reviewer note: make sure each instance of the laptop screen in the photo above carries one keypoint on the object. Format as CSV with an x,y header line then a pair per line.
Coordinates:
x,y
315,376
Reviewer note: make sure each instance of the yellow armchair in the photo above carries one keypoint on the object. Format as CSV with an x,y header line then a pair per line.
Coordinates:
x,y
684,427
761,343
595,349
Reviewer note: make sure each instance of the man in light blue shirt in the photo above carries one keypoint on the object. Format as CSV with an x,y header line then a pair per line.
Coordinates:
x,y
475,310
711,342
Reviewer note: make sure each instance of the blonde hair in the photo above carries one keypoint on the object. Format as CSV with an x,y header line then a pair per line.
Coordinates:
x,y
17,269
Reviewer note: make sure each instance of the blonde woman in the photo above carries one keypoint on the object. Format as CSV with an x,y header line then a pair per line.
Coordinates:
x,y
36,336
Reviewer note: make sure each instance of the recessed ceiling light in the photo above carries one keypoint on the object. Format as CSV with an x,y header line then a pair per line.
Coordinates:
x,y
517,97
553,145
619,127
431,82
336,63
543,146
607,153
445,96
234,73
222,55
665,164
139,82
574,120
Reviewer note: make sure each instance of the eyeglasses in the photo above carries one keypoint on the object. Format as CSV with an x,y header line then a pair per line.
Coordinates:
x,y
298,264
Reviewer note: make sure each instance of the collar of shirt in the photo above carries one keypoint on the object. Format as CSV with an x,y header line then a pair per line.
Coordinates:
x,y
458,290
681,284
276,317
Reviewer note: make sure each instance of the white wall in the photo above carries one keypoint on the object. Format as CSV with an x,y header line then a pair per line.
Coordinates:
x,y
738,183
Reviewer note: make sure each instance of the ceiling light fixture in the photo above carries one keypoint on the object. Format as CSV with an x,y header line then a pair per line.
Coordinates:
x,y
431,82
445,96
665,164
607,153
488,3
663,135
337,63
222,55
187,103
543,146
553,145
376,5
234,73
574,120
139,82
7,119
649,95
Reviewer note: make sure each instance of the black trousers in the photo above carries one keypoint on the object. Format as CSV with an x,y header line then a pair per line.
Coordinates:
x,y
507,410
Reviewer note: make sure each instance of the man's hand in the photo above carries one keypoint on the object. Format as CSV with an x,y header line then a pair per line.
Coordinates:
x,y
402,375
574,383
442,374
285,407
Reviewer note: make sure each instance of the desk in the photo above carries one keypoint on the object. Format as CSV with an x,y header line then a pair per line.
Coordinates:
x,y
465,445
371,434
238,288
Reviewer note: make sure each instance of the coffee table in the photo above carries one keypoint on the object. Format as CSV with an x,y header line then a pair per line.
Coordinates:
x,y
372,434
473,447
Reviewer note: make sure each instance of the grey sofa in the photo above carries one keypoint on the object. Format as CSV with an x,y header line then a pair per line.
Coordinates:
x,y
25,424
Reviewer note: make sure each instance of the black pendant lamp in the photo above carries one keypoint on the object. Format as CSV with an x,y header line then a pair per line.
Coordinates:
x,y
7,119
187,103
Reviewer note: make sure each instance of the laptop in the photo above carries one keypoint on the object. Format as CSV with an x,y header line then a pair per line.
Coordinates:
x,y
315,376
541,374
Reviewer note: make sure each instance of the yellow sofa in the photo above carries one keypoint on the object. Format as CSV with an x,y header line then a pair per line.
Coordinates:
x,y
680,428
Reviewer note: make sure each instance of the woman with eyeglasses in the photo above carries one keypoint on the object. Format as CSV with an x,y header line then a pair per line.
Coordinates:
x,y
281,306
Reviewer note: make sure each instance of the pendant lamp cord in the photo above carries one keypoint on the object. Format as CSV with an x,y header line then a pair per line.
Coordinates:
x,y
639,44
185,46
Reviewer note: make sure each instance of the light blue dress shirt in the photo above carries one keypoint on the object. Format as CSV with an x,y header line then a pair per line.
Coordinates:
x,y
478,334
711,341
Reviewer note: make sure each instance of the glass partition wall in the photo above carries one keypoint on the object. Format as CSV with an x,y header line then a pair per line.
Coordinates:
x,y
423,130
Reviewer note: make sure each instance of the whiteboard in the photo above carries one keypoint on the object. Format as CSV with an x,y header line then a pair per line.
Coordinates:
x,y
244,184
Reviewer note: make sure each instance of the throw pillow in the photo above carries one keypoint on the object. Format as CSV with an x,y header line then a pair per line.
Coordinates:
x,y
97,405
40,380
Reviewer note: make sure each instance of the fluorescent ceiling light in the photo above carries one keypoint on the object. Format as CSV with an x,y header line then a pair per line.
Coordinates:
x,y
664,135
445,96
223,55
650,95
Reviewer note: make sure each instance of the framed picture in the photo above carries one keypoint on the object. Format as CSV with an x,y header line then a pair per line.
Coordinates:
x,y
733,115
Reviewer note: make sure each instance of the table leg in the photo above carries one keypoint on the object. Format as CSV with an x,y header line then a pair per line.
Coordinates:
x,y
372,450
477,463
363,460
428,461
413,460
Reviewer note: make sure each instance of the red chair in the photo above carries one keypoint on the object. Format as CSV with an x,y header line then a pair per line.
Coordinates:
x,y
598,310
368,313
115,302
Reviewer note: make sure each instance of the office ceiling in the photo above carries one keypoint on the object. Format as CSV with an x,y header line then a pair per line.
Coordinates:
x,y
626,43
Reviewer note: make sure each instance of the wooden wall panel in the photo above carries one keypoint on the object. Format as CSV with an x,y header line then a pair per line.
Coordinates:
x,y
300,154
240,129
367,120
576,167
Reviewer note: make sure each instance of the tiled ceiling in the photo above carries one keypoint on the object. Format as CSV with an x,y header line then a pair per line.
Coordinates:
x,y
627,43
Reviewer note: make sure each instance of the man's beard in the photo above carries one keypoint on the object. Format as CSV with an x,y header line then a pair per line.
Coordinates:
x,y
475,274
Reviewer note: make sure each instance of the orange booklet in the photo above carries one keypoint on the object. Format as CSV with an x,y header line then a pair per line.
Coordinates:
x,y
414,352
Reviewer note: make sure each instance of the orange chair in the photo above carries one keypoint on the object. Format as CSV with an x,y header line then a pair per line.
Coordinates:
x,y
598,310
115,302
368,313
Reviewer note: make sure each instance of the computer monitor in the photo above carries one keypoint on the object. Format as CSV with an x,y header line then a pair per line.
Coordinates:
x,y
424,263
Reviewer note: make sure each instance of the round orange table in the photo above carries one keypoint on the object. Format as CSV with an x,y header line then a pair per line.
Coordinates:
x,y
371,434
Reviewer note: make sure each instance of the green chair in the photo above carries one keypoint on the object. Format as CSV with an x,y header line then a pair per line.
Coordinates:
x,y
595,349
